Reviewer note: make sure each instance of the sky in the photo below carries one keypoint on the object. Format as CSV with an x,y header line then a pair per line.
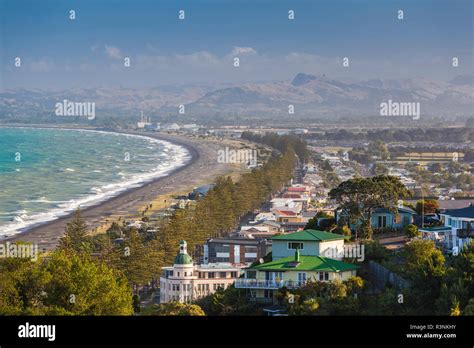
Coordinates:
x,y
89,51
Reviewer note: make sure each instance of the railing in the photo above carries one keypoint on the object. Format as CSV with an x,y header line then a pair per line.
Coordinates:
x,y
244,283
465,233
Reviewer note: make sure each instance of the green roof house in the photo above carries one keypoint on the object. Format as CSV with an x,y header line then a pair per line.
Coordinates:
x,y
296,259
308,242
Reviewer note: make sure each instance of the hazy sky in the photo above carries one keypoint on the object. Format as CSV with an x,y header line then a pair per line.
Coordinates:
x,y
57,52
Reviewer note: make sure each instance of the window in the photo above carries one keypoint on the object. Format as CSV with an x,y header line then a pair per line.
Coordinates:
x,y
295,245
214,286
233,274
211,275
302,277
249,274
382,221
177,287
323,276
250,249
224,248
223,274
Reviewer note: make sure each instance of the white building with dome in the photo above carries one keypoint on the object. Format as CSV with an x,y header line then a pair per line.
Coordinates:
x,y
186,282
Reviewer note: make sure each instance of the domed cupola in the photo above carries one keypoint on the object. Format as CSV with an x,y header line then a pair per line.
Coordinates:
x,y
183,258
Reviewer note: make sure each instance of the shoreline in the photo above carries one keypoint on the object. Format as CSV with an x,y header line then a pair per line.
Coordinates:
x,y
196,168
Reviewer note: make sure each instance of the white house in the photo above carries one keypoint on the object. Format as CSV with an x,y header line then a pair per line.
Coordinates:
x,y
461,225
186,282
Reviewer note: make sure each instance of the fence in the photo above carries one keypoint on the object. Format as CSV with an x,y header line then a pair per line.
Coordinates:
x,y
383,276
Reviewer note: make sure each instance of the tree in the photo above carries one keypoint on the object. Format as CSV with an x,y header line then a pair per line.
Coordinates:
x,y
375,251
358,198
425,270
354,284
176,308
379,148
229,301
430,206
469,309
343,230
422,257
379,169
75,238
411,231
312,223
139,261
64,284
309,306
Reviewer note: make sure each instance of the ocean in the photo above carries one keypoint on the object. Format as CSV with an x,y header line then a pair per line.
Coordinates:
x,y
47,173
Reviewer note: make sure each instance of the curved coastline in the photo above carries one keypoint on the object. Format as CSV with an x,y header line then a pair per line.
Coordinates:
x,y
29,232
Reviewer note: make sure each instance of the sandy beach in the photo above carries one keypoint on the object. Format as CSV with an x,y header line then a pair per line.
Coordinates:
x,y
201,169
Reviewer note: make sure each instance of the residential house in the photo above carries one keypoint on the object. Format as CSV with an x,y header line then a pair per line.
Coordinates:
x,y
385,218
297,258
273,226
460,226
287,216
258,231
201,191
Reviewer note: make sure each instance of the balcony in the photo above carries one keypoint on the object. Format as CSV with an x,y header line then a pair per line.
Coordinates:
x,y
243,283
465,233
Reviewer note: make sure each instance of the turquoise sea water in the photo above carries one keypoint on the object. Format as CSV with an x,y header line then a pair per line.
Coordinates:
x,y
46,173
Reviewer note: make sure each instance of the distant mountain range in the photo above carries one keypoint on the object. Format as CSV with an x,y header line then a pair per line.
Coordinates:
x,y
310,95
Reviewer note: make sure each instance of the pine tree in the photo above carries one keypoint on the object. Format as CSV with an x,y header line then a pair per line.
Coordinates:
x,y
75,239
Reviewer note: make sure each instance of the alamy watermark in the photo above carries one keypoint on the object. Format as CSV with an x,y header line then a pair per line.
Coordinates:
x,y
22,251
392,108
69,108
350,251
240,156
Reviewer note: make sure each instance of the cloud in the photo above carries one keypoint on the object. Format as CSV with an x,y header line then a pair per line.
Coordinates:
x,y
42,65
113,52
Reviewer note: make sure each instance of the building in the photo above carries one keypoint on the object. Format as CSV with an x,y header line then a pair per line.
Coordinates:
x,y
296,259
385,218
237,251
144,122
286,215
201,191
459,225
273,226
257,231
186,282
435,233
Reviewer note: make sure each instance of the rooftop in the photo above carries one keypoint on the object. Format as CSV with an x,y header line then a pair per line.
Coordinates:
x,y
310,235
217,266
467,212
307,263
